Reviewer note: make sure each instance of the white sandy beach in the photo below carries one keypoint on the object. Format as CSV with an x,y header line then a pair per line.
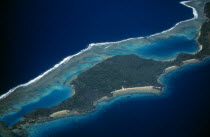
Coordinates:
x,y
63,113
190,61
135,90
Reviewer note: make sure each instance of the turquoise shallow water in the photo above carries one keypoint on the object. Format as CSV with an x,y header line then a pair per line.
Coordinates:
x,y
42,33
130,115
160,50
78,122
55,97
181,110
168,48
105,109
163,49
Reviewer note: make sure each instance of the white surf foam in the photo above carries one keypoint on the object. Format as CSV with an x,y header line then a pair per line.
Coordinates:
x,y
65,60
195,14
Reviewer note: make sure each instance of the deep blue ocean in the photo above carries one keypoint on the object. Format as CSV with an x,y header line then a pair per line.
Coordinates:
x,y
182,111
41,33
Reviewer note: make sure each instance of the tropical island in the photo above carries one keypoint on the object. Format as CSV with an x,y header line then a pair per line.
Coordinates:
x,y
114,76
119,73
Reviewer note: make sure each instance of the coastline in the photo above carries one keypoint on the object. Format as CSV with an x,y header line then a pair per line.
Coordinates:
x,y
65,60
195,14
137,90
117,93
184,63
63,113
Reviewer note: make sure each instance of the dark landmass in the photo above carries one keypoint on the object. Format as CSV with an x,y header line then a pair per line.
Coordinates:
x,y
204,38
122,70
115,72
111,74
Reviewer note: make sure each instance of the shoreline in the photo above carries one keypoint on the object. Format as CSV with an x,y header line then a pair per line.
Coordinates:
x,y
195,14
64,112
175,68
115,94
157,91
137,90
65,60
128,91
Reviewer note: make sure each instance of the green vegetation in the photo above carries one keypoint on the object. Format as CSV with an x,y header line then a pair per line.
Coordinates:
x,y
113,74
